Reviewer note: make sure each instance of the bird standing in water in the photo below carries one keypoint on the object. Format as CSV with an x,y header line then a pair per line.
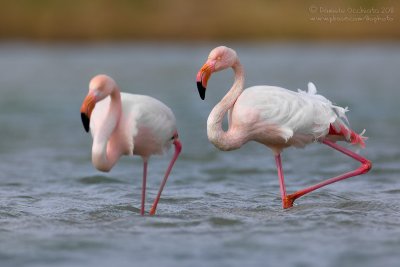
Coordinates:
x,y
128,124
276,117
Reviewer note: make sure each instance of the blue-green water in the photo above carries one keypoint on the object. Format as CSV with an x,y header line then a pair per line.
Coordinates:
x,y
218,208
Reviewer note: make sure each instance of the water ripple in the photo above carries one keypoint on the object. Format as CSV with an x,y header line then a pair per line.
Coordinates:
x,y
98,179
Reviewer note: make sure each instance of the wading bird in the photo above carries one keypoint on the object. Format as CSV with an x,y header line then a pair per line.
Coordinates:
x,y
276,117
127,124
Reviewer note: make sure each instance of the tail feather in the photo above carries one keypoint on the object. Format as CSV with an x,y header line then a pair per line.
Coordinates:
x,y
312,92
340,126
348,134
358,139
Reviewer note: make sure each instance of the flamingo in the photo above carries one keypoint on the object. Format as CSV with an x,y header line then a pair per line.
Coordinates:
x,y
128,124
277,118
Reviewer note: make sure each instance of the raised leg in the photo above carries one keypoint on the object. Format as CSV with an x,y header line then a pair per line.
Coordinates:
x,y
364,168
178,148
144,186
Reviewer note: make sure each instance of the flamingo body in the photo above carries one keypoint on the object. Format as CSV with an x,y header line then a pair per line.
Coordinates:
x,y
279,118
276,117
127,124
147,126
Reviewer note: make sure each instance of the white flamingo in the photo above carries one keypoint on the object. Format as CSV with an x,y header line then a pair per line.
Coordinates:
x,y
276,117
127,124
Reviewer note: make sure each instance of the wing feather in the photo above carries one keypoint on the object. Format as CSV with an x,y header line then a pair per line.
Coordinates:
x,y
294,112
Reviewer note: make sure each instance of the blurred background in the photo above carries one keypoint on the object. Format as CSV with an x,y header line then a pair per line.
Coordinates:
x,y
92,20
218,208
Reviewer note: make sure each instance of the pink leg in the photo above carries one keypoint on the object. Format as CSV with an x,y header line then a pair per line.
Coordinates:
x,y
281,179
364,168
178,148
144,186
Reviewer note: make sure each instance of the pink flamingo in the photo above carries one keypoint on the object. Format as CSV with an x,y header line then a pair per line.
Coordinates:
x,y
276,117
127,124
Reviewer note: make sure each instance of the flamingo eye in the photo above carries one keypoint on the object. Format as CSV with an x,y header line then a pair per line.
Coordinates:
x,y
219,58
174,136
97,94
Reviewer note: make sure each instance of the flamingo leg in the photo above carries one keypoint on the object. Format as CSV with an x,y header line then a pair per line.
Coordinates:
x,y
281,178
178,148
144,186
364,168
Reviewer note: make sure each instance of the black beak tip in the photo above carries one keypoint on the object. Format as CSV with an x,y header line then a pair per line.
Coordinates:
x,y
202,90
85,121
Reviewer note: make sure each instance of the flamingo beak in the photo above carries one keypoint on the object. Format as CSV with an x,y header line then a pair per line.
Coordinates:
x,y
86,110
202,78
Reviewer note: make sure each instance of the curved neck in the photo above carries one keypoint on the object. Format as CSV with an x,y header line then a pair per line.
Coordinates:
x,y
104,154
221,139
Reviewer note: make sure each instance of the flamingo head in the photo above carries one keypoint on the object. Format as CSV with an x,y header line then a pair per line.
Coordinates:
x,y
99,88
220,58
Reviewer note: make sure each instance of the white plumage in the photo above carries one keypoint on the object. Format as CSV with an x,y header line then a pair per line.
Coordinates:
x,y
303,116
139,112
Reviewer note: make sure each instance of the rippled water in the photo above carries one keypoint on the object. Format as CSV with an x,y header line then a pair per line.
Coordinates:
x,y
218,208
